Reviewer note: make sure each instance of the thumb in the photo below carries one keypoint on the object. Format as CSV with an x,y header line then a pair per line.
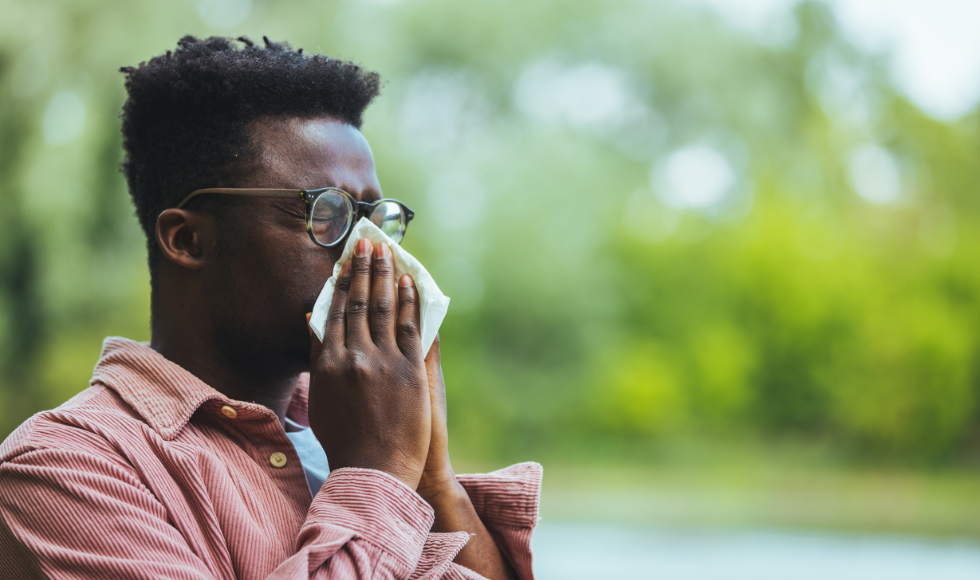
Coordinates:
x,y
437,384
433,367
433,356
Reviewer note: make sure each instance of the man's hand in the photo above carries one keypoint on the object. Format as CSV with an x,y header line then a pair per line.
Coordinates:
x,y
438,478
438,486
376,403
369,395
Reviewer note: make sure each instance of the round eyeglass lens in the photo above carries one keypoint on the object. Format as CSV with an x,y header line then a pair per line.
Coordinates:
x,y
330,217
390,218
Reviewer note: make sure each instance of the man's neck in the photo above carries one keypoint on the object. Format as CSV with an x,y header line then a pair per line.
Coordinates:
x,y
208,364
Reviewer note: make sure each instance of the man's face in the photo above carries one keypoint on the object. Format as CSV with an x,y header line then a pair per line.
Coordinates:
x,y
268,273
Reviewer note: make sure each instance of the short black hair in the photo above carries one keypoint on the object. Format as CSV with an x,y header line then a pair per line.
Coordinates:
x,y
185,121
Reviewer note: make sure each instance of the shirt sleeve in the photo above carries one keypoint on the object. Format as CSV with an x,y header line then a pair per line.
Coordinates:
x,y
438,554
72,515
362,523
507,502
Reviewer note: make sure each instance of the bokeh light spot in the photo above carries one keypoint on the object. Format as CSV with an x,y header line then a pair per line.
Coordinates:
x,y
64,118
583,96
874,174
693,177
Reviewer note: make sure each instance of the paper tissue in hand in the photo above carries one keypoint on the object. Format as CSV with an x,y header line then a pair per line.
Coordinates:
x,y
433,303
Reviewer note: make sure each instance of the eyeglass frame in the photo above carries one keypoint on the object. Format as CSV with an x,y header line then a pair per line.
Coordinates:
x,y
309,197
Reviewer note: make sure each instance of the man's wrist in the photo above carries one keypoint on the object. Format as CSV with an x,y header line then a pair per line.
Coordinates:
x,y
452,507
441,488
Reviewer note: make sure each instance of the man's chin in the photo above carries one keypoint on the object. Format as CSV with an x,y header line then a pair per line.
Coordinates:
x,y
296,355
273,358
303,357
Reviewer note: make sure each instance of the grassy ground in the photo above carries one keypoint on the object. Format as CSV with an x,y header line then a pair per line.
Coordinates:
x,y
769,488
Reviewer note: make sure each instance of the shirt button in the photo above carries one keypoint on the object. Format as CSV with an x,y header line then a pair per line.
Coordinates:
x,y
278,459
229,412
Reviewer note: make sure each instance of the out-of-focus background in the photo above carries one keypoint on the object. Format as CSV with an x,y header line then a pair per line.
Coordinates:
x,y
712,262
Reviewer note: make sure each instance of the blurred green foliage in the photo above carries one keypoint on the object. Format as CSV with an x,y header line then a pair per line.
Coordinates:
x,y
591,309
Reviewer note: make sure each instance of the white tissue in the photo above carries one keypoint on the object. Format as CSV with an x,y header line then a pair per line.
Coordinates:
x,y
433,303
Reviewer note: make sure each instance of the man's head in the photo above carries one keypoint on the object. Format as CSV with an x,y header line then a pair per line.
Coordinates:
x,y
242,270
186,123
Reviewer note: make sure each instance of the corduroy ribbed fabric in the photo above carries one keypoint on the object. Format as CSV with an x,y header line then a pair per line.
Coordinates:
x,y
142,476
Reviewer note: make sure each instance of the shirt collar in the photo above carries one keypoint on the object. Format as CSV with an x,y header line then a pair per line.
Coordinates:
x,y
164,393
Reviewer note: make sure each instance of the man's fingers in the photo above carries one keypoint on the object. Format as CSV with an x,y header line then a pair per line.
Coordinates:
x,y
358,299
382,311
336,328
408,329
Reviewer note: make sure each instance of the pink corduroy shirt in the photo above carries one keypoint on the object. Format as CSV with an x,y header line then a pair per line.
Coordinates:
x,y
150,473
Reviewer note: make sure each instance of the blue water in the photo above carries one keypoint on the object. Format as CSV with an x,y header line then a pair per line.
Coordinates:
x,y
572,551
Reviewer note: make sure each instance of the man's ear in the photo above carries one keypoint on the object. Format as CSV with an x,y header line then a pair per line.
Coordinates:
x,y
185,238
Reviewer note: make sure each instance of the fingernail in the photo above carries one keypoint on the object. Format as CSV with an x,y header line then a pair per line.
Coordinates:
x,y
363,248
345,269
381,251
405,281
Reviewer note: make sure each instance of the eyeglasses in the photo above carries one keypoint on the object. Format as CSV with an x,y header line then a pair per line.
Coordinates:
x,y
331,212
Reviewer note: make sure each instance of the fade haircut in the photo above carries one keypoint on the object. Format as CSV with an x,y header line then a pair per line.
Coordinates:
x,y
185,121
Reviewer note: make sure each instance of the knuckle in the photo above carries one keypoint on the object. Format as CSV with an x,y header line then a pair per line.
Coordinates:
x,y
361,366
343,284
408,297
327,363
407,327
356,306
336,316
361,265
382,267
382,308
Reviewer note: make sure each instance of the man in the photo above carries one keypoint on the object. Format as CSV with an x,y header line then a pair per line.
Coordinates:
x,y
201,454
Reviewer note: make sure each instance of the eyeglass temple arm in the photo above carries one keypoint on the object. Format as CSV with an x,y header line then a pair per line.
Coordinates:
x,y
283,193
